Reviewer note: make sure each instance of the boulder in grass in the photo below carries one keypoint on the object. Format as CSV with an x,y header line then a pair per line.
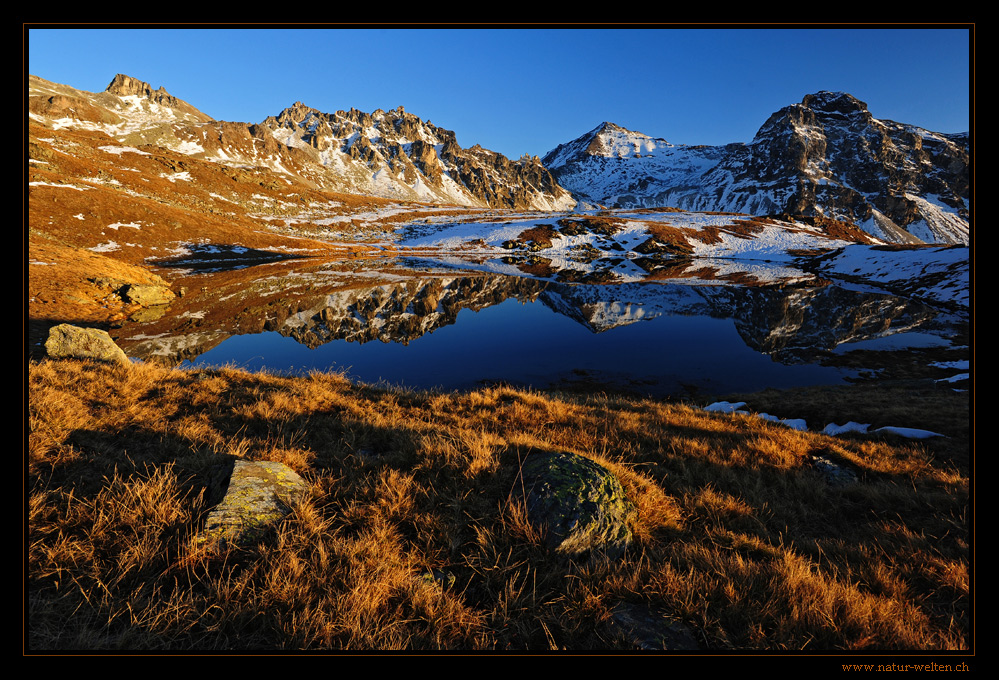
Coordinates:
x,y
259,494
580,504
147,295
834,473
642,626
725,406
66,341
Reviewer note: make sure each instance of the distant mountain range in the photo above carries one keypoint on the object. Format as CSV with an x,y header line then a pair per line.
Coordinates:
x,y
389,154
826,156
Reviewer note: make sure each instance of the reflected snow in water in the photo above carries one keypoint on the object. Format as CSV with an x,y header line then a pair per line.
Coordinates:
x,y
443,327
529,344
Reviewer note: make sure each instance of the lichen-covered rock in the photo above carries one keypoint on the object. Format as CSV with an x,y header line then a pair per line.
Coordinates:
x,y
580,504
259,494
147,295
833,473
66,341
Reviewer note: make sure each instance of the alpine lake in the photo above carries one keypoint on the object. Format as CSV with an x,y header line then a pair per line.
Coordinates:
x,y
449,323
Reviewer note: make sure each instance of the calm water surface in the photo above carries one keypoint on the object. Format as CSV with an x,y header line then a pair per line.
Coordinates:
x,y
529,344
438,327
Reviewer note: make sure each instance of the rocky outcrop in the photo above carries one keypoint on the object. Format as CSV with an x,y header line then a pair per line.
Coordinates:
x,y
126,86
66,341
259,494
62,106
579,504
129,110
396,154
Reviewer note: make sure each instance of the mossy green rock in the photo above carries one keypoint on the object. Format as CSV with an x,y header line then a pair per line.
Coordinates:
x,y
580,504
259,494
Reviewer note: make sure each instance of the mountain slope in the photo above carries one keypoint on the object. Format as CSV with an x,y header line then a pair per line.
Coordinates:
x,y
390,154
825,156
126,107
611,165
396,154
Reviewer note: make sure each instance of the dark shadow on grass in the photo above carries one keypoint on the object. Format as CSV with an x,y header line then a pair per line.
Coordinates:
x,y
216,257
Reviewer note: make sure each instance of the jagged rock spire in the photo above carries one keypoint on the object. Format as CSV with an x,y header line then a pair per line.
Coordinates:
x,y
127,86
123,86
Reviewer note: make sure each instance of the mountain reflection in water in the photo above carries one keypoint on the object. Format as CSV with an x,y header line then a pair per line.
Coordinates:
x,y
449,329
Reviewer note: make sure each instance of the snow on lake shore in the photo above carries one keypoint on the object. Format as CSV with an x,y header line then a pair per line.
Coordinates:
x,y
937,274
832,429
941,274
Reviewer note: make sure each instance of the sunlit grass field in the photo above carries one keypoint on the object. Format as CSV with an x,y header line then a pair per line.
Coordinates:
x,y
412,537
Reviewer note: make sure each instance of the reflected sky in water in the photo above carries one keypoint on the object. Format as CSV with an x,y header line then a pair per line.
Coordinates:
x,y
528,344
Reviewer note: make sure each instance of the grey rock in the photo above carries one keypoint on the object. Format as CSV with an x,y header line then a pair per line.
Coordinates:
x,y
580,504
647,628
66,341
833,473
259,494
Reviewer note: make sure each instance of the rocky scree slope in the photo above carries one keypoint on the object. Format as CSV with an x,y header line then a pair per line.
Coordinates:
x,y
826,156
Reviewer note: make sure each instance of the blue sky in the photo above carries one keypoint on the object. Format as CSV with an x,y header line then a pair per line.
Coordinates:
x,y
527,90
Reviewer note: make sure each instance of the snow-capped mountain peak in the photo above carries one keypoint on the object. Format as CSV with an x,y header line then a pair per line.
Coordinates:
x,y
607,140
827,155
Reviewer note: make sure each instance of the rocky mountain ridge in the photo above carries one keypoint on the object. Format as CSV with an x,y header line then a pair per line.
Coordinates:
x,y
415,159
125,107
827,156
390,154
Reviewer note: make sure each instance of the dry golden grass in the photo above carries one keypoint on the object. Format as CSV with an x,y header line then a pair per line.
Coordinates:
x,y
836,229
100,209
414,539
540,236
